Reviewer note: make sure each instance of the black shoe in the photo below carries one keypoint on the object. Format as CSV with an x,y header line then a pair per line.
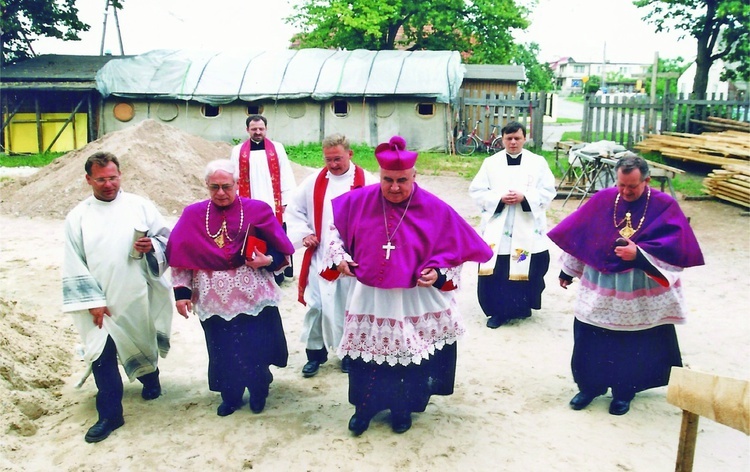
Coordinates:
x,y
226,409
151,393
279,278
102,429
619,407
400,422
494,322
358,425
151,386
310,369
257,404
346,364
582,400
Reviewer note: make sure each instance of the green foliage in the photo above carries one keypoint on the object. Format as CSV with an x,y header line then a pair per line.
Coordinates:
x,y
22,22
593,85
676,66
481,29
721,29
539,76
28,160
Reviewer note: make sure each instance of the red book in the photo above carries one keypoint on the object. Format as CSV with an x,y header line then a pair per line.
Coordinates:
x,y
251,244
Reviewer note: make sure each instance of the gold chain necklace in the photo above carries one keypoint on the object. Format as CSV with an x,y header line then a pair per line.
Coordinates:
x,y
389,236
627,231
219,236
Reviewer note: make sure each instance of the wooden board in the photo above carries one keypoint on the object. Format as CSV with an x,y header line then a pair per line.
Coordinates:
x,y
722,399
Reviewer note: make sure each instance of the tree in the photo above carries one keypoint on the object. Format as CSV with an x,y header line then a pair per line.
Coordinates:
x,y
539,76
720,27
24,21
593,85
481,29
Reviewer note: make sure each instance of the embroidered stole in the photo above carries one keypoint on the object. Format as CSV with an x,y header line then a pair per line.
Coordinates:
x,y
521,235
319,192
273,168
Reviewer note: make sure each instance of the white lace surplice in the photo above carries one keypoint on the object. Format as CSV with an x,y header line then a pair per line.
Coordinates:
x,y
227,293
418,321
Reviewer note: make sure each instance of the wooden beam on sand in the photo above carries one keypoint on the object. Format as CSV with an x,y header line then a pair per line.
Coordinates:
x,y
722,399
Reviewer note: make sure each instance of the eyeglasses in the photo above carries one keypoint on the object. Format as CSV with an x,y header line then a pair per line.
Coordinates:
x,y
103,180
215,188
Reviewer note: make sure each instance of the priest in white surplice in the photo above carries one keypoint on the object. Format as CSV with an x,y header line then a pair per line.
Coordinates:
x,y
114,288
513,189
309,216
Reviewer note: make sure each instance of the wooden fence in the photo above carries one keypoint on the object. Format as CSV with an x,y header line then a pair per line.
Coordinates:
x,y
499,109
627,120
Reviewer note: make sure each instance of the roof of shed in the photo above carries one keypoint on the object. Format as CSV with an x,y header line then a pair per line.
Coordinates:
x,y
222,77
56,67
500,73
54,72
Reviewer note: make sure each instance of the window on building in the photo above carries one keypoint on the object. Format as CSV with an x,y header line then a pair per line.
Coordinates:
x,y
210,111
124,111
254,110
340,108
579,69
425,109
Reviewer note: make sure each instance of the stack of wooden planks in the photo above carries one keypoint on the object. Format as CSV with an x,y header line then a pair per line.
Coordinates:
x,y
714,123
730,183
728,149
722,148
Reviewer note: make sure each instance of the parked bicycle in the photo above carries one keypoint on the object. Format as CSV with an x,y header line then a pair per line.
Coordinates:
x,y
468,144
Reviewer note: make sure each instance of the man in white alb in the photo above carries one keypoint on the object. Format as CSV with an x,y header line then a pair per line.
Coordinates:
x,y
114,288
309,216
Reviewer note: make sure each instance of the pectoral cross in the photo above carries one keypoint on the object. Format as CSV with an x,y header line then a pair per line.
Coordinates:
x,y
388,248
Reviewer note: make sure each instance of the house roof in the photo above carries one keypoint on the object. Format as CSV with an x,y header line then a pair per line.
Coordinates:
x,y
500,73
218,77
54,72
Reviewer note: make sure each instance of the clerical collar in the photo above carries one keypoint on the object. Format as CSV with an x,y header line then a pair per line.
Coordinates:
x,y
513,156
513,160
257,146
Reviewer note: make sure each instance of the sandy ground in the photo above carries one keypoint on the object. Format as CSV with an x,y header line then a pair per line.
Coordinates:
x,y
509,412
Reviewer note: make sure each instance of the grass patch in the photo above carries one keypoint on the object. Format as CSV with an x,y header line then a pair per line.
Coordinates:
x,y
430,163
28,160
571,136
563,121
575,98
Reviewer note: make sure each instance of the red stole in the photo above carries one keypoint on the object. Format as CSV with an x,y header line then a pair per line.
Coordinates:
x,y
273,168
319,191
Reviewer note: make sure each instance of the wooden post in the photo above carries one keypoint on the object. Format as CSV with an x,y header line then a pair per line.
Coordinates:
x,y
688,437
654,75
722,399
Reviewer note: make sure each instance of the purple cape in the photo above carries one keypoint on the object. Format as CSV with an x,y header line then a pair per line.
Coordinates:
x,y
190,247
431,235
589,233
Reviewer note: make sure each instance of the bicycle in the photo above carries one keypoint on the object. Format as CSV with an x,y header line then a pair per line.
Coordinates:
x,y
467,144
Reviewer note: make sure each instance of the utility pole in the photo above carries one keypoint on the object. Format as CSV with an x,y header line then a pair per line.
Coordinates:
x,y
655,75
108,3
603,85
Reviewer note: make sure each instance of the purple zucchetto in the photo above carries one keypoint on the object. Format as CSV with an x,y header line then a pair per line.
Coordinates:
x,y
394,156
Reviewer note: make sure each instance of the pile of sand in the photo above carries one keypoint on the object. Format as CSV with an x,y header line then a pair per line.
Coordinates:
x,y
157,161
34,363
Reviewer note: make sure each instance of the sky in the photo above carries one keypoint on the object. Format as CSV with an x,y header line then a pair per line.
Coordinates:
x,y
586,30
